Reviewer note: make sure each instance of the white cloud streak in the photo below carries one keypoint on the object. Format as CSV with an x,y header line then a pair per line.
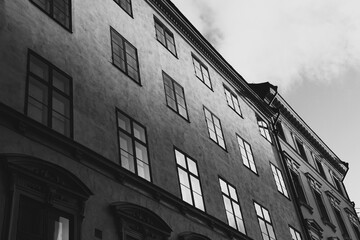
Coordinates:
x,y
284,42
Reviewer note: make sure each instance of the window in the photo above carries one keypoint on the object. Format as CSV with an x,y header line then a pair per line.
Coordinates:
x,y
356,231
125,5
189,180
265,223
246,154
232,100
214,128
279,180
175,97
48,201
295,235
165,36
49,95
135,222
264,129
295,177
319,200
354,220
232,206
300,149
320,168
341,222
201,72
124,56
338,185
133,147
281,132
59,10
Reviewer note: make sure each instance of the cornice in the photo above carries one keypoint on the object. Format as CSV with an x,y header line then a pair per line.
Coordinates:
x,y
172,13
287,112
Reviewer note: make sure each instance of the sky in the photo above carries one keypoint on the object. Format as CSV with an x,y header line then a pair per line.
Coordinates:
x,y
309,49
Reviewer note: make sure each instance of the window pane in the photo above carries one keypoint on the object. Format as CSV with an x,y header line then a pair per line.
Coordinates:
x,y
61,104
180,159
195,184
39,68
60,228
124,122
60,123
192,166
227,203
61,82
43,4
126,152
37,111
199,201
231,219
186,194
223,187
183,176
38,91
141,152
258,210
143,170
139,132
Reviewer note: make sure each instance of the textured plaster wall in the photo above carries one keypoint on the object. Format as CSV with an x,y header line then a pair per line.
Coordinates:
x,y
99,87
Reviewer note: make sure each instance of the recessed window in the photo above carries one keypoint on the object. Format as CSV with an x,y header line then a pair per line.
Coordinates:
x,y
214,128
49,95
265,223
295,235
165,36
175,97
279,180
133,146
124,56
356,230
125,5
338,185
341,222
280,130
246,154
189,180
232,100
59,10
319,200
295,177
201,72
320,168
264,129
232,206
300,149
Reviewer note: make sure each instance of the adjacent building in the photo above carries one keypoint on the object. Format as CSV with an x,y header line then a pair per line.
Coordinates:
x,y
118,120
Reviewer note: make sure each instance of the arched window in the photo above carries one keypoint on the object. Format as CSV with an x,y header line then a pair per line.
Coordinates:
x,y
138,223
47,201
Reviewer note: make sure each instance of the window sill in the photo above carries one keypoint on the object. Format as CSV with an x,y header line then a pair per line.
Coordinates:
x,y
328,223
307,206
138,83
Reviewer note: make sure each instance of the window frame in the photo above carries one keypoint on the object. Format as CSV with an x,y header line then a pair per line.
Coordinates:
x,y
281,180
232,200
320,168
319,201
173,83
167,31
189,173
300,148
133,141
247,157
118,2
50,90
124,42
266,222
202,66
222,132
51,13
296,233
266,129
232,96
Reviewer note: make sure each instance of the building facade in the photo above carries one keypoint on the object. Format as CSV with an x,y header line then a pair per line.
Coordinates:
x,y
120,121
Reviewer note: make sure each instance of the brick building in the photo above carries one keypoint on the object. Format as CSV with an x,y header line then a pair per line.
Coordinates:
x,y
120,121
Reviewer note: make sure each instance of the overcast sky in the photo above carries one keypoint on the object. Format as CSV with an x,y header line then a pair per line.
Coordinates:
x,y
309,49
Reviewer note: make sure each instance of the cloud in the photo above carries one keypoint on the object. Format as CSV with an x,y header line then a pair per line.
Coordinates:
x,y
284,42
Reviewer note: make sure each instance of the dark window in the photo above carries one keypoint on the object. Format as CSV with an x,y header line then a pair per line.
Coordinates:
x,y
280,130
49,95
320,203
232,100
201,72
175,97
124,56
246,154
300,149
59,10
341,222
232,206
189,180
38,221
125,5
338,185
356,230
264,129
133,147
298,186
165,36
265,223
214,128
295,235
320,168
279,180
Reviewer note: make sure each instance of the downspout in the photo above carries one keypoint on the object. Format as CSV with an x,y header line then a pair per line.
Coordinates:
x,y
287,172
